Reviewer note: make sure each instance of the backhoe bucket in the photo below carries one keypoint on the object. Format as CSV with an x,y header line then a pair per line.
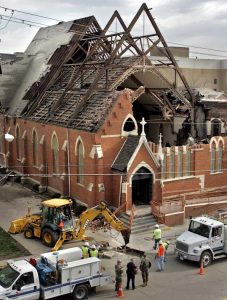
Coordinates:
x,y
18,225
126,235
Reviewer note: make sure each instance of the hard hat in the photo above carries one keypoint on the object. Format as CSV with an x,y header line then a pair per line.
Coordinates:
x,y
93,247
156,226
160,242
86,244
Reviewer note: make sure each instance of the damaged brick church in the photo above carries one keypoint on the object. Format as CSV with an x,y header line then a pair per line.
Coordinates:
x,y
98,115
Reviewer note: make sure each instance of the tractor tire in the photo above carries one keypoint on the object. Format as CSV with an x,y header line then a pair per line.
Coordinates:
x,y
28,232
49,237
206,259
80,292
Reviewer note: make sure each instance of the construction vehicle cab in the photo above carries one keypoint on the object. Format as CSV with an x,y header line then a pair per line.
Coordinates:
x,y
55,217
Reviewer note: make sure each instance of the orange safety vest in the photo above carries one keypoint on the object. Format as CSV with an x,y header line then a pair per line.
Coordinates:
x,y
161,251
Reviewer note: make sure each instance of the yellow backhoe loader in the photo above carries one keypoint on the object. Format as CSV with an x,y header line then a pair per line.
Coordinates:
x,y
55,224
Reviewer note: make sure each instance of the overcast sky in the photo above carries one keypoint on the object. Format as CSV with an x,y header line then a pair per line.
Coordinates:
x,y
200,23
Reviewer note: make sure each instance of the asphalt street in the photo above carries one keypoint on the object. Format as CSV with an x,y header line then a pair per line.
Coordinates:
x,y
179,280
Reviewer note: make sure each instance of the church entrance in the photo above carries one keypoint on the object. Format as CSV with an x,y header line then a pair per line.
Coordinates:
x,y
142,187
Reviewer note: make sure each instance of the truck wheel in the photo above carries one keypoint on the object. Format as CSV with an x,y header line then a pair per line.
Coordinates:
x,y
206,259
49,237
80,292
28,232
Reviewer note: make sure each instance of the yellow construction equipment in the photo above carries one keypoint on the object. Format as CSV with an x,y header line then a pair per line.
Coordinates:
x,y
55,224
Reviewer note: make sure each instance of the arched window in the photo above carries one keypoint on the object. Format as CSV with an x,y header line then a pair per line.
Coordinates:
x,y
172,164
188,163
212,158
220,156
129,125
80,162
215,127
35,148
180,163
18,142
55,150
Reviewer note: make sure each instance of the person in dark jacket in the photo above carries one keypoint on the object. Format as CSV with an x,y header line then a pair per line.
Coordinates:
x,y
131,272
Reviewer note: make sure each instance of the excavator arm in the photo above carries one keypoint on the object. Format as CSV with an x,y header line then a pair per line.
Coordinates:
x,y
90,214
87,217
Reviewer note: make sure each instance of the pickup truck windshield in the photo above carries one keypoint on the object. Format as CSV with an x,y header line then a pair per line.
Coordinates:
x,y
199,228
8,276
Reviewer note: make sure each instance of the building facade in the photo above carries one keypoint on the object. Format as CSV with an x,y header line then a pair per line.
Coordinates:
x,y
93,124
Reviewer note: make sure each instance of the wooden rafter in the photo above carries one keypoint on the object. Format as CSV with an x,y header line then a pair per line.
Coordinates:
x,y
101,54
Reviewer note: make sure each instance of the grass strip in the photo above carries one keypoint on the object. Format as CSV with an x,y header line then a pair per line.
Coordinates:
x,y
9,247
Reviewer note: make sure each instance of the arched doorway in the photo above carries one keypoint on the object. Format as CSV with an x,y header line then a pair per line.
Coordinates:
x,y
142,187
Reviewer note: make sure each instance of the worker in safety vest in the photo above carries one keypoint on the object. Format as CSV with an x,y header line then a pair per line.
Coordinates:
x,y
93,251
157,235
86,250
166,246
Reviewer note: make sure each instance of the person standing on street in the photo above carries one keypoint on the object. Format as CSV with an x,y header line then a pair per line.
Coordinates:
x,y
131,272
145,264
166,246
157,235
160,257
118,275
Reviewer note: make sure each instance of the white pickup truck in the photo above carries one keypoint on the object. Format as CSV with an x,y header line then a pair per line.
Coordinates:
x,y
204,241
52,274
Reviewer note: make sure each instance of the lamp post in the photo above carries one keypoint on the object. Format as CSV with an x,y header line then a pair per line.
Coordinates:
x,y
8,137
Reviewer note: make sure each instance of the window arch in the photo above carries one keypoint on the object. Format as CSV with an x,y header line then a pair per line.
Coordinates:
x,y
80,161
212,157
172,164
180,163
129,126
188,162
220,156
215,127
35,147
55,154
18,142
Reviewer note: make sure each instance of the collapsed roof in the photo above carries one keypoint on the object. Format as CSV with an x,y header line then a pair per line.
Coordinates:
x,y
77,83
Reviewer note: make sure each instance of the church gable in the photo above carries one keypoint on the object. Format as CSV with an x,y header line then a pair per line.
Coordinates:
x,y
143,155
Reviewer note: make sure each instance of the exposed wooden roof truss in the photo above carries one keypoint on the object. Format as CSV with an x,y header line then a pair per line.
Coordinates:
x,y
99,61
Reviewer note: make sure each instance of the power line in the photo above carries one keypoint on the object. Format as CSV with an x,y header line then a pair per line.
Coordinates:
x,y
115,173
209,54
191,46
23,20
31,14
9,20
93,35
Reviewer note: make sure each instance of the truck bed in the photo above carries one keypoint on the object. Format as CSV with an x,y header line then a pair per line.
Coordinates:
x,y
86,271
